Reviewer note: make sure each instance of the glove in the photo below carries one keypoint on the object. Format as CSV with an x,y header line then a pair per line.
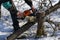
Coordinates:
x,y
32,9
20,15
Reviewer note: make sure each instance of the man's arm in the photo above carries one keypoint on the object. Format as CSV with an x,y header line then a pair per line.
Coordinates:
x,y
29,2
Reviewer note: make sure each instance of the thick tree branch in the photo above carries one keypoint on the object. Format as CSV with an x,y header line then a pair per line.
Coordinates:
x,y
20,31
53,8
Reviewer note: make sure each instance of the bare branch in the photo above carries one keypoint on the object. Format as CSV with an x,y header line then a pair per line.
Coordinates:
x,y
52,8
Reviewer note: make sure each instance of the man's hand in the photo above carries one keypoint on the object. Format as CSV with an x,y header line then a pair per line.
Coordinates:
x,y
20,15
33,9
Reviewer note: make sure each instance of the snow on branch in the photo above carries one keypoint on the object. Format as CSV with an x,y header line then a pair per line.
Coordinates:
x,y
52,8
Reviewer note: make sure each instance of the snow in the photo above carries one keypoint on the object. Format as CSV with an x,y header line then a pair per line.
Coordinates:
x,y
55,2
5,33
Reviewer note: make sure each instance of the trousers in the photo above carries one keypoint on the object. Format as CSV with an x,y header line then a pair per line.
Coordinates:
x,y
13,12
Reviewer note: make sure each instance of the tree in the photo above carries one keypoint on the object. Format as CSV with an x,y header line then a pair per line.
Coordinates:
x,y
40,19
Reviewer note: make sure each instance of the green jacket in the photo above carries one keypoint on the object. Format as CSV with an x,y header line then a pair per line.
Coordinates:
x,y
7,4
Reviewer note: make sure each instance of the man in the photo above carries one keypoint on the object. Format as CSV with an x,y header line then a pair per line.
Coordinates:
x,y
8,4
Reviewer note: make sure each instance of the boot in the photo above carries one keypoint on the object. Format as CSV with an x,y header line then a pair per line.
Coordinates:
x,y
16,28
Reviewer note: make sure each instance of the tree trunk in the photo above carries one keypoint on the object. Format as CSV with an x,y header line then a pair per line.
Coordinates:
x,y
40,27
20,31
40,19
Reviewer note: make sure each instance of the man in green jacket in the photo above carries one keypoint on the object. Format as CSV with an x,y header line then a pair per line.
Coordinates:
x,y
8,4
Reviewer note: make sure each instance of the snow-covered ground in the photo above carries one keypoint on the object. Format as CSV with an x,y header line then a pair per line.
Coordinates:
x,y
6,27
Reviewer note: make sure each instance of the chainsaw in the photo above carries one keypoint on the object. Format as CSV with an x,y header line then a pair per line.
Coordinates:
x,y
28,14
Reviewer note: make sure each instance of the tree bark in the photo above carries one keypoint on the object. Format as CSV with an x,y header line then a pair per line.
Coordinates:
x,y
20,31
40,27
